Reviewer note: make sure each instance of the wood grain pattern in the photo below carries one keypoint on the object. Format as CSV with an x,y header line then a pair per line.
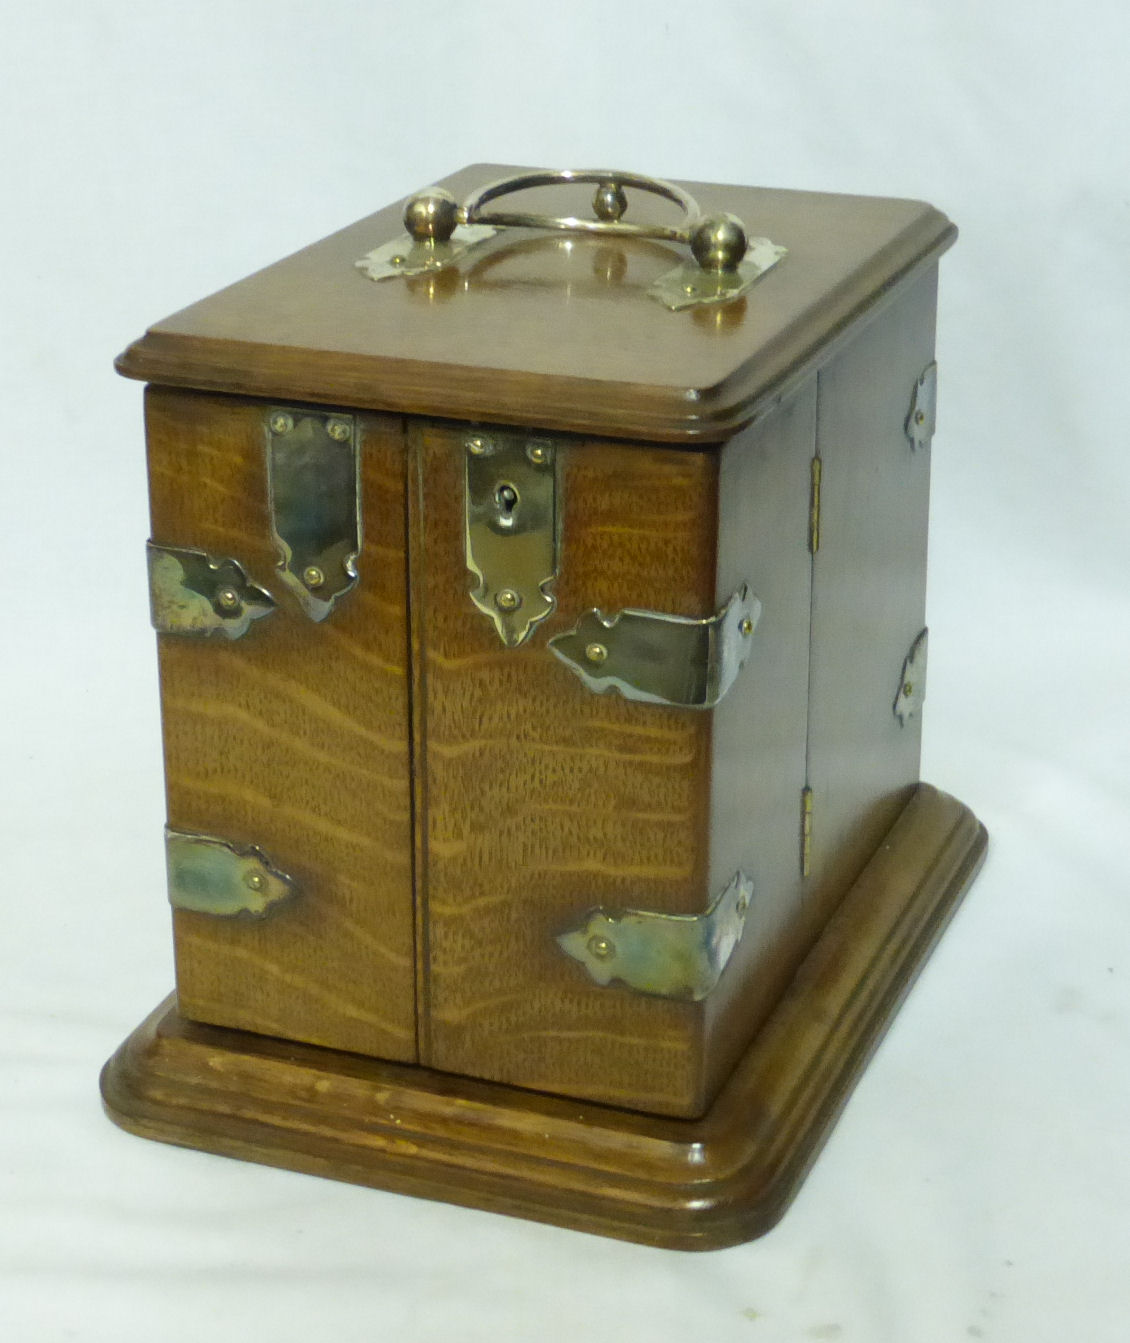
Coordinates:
x,y
294,738
447,830
868,591
681,1184
543,799
564,337
760,729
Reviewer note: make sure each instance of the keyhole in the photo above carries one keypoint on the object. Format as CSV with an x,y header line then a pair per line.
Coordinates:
x,y
506,497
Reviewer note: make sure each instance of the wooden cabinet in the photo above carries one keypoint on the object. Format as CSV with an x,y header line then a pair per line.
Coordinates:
x,y
541,670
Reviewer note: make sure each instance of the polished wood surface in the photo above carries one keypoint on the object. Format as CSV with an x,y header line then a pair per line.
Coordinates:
x,y
294,738
557,332
868,590
681,1184
759,730
539,800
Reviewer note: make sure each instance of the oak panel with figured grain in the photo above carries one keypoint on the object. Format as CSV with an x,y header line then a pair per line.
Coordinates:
x,y
541,799
294,738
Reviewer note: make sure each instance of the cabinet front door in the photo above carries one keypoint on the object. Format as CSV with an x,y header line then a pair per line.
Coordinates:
x,y
287,747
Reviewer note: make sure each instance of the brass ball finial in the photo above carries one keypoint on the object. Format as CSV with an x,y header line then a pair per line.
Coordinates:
x,y
719,242
610,202
431,216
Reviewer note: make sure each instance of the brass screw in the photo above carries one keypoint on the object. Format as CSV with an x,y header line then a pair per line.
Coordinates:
x,y
743,903
596,653
338,430
507,600
312,576
397,260
254,880
477,447
538,453
688,289
908,688
601,948
746,627
228,599
919,417
281,423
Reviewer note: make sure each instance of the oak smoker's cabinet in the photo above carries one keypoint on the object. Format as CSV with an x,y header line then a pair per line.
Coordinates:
x,y
540,610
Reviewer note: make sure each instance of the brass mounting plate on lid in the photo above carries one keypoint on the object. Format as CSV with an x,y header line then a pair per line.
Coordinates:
x,y
511,529
405,256
662,659
192,592
689,286
666,955
313,486
212,876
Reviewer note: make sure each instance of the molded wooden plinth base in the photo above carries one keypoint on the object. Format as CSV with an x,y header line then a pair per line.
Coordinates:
x,y
684,1184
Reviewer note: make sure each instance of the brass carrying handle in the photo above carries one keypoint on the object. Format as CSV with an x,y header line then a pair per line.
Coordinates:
x,y
718,241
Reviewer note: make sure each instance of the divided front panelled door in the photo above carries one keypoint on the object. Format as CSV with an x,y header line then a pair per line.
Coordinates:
x,y
447,806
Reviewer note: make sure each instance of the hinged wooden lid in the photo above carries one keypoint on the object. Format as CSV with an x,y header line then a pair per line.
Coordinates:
x,y
552,330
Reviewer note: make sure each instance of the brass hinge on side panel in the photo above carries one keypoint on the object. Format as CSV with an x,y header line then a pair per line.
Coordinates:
x,y
922,418
805,831
814,507
912,682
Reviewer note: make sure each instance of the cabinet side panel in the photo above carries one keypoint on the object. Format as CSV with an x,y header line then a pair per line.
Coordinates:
x,y
544,799
869,590
760,728
293,738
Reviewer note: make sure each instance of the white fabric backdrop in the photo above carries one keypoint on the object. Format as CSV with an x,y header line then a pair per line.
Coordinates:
x,y
978,1184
